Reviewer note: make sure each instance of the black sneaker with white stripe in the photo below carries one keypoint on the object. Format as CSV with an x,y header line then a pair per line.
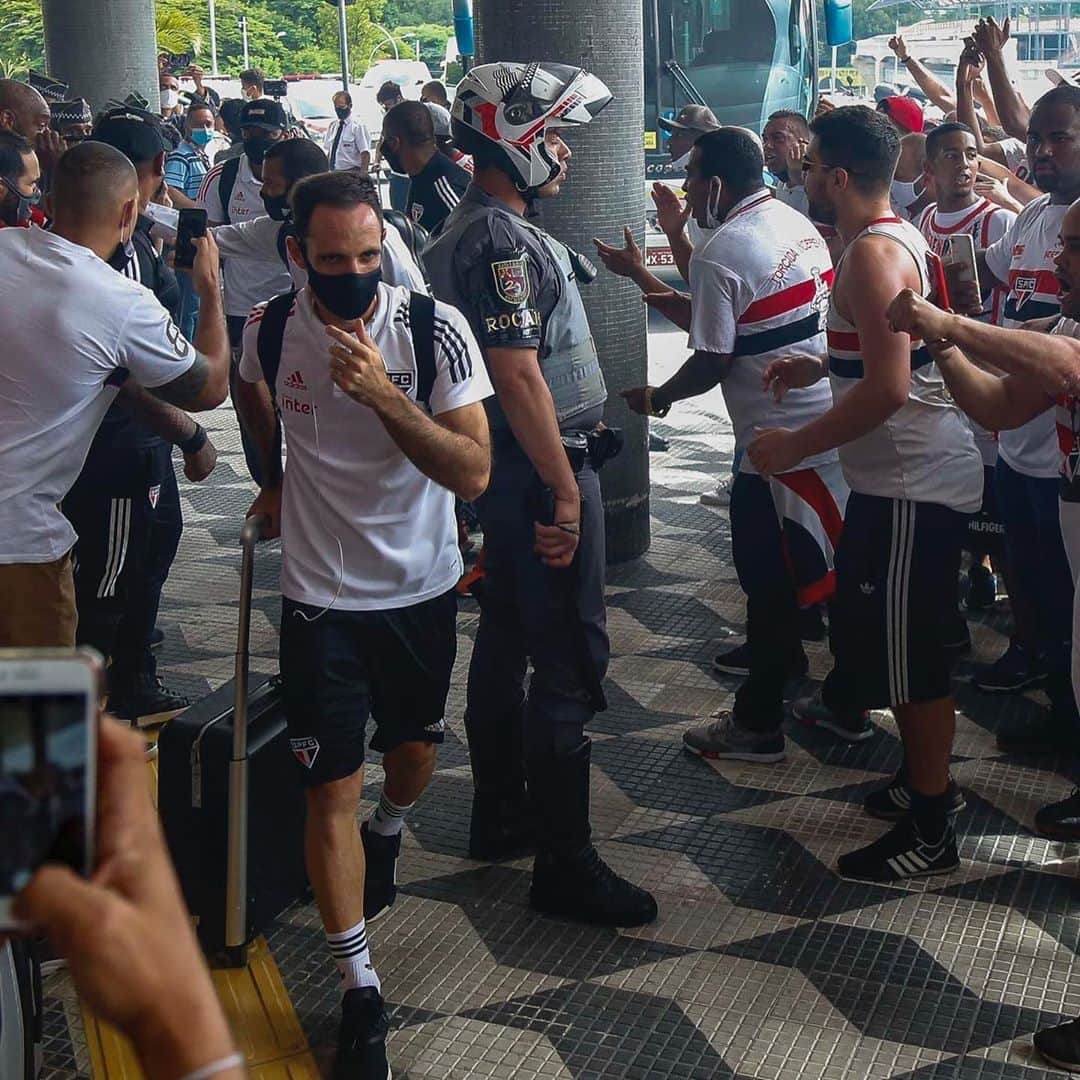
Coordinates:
x,y
893,802
902,853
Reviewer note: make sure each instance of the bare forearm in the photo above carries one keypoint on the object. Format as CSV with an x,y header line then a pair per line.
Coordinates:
x,y
1013,113
260,422
965,111
181,201
647,282
164,420
211,337
931,85
682,249
1050,361
455,462
697,376
989,400
526,400
858,412
986,100
365,162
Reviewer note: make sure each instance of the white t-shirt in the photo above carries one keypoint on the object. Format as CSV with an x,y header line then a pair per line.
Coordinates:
x,y
247,281
347,480
355,141
258,239
1024,259
1016,159
759,287
68,322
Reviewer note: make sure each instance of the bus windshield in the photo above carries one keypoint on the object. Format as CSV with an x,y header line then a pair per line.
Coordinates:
x,y
722,32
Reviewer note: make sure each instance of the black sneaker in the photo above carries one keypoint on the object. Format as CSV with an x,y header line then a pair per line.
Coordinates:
x,y
720,738
893,802
361,1050
1060,1045
1046,733
982,588
380,871
144,701
157,638
737,662
901,854
1060,820
851,727
1015,670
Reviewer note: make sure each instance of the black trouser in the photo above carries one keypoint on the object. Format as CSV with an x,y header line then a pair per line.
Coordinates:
x,y
529,612
772,627
235,325
125,507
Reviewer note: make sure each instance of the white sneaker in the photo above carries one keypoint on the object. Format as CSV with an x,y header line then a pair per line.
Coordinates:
x,y
721,496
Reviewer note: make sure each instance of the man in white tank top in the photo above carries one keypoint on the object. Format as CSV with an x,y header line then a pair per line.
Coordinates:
x,y
915,475
1042,362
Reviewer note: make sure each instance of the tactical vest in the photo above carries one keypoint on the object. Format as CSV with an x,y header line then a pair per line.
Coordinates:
x,y
568,358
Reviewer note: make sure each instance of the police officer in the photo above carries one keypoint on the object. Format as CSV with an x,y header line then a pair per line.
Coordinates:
x,y
542,515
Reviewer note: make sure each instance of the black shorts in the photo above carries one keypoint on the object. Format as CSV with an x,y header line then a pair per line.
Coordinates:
x,y
896,569
343,665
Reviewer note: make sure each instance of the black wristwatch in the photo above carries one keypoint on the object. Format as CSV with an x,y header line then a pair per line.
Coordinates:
x,y
194,443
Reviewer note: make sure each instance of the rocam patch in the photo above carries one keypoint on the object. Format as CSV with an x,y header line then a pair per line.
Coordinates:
x,y
511,280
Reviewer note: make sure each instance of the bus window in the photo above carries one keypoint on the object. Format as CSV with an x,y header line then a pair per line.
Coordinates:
x,y
711,32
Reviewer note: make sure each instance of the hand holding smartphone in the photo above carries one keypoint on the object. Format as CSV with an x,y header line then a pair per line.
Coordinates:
x,y
49,702
190,226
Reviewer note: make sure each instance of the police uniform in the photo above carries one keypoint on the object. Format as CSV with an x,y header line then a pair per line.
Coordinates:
x,y
125,507
516,285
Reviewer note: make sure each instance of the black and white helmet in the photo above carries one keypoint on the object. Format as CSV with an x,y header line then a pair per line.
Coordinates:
x,y
510,106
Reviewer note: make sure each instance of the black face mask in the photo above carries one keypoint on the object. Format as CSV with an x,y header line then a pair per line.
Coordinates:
x,y
277,206
347,296
393,159
343,111
256,149
18,212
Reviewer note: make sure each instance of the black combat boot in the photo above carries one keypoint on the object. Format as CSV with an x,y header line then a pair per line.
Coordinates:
x,y
570,880
501,822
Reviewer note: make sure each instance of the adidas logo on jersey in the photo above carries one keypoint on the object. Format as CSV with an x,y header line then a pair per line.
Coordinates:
x,y
296,381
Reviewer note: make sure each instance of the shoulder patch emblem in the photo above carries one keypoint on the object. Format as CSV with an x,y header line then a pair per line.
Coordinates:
x,y
511,280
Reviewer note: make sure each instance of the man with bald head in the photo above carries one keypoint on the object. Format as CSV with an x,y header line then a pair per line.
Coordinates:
x,y
24,111
78,331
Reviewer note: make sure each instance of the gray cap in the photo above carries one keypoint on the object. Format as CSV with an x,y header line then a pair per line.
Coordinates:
x,y
698,118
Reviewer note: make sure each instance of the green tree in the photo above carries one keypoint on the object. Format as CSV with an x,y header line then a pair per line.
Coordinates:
x,y
418,13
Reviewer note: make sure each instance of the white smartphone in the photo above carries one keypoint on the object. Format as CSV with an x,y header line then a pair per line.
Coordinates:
x,y
49,702
959,256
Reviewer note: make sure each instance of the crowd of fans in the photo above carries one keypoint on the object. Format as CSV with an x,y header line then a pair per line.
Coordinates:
x,y
892,410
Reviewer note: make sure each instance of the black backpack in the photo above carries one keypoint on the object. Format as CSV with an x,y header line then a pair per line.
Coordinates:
x,y
421,329
229,172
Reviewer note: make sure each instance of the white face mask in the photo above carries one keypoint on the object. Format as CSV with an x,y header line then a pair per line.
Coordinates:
x,y
905,194
169,99
713,220
682,162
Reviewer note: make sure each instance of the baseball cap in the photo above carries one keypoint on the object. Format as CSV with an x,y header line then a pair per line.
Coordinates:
x,y
1059,78
264,113
691,118
905,111
138,138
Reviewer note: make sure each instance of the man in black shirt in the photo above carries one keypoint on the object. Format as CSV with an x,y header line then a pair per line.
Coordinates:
x,y
408,144
125,506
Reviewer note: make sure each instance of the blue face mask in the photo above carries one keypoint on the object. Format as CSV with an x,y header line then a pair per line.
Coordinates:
x,y
202,136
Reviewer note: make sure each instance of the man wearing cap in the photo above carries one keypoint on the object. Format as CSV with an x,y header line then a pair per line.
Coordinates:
x,y
232,192
125,505
347,144
905,113
72,120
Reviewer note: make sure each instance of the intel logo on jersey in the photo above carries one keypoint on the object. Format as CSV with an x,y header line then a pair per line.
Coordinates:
x,y
403,380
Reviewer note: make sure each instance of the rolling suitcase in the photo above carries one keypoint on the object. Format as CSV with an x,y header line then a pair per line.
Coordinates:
x,y
230,800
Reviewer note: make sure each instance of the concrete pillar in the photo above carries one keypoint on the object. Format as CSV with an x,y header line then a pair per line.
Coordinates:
x,y
102,48
605,190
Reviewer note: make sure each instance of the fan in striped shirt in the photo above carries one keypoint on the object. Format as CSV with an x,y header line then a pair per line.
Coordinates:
x,y
408,144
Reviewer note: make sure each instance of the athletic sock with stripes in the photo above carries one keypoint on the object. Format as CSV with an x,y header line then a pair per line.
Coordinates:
x,y
350,952
931,813
388,818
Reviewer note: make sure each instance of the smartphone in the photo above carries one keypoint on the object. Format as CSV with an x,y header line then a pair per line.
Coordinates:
x,y
959,256
190,224
940,292
49,702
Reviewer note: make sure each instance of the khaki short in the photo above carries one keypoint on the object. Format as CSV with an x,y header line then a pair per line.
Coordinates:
x,y
37,605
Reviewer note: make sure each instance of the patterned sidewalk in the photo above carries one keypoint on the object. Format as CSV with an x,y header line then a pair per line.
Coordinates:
x,y
763,963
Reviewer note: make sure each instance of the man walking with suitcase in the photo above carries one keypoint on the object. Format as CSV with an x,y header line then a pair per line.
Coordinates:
x,y
380,394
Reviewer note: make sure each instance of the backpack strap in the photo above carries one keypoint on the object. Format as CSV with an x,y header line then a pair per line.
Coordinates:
x,y
229,172
272,336
422,329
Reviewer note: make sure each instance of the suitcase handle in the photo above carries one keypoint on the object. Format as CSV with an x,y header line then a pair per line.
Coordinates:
x,y
253,531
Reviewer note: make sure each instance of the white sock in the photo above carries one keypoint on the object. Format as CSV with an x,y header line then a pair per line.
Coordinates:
x,y
388,818
350,952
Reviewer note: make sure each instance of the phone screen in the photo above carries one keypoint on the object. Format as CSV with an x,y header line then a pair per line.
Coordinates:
x,y
191,224
46,781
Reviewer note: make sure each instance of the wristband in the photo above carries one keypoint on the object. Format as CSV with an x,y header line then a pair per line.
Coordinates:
x,y
233,1061
193,445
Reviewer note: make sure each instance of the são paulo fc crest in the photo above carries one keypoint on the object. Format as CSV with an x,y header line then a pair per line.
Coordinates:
x,y
511,280
305,751
1022,289
153,495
